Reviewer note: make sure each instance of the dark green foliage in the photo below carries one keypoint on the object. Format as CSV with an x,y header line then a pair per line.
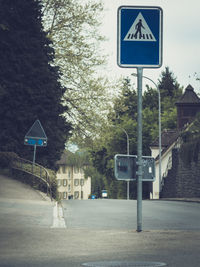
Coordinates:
x,y
6,159
150,98
190,148
97,183
168,85
78,159
35,182
124,117
29,87
189,151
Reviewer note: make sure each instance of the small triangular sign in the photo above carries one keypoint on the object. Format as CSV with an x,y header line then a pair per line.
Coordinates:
x,y
140,31
36,131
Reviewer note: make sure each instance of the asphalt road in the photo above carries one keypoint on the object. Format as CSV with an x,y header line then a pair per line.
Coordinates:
x,y
122,215
96,231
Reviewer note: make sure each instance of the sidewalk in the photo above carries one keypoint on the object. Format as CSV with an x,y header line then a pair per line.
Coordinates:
x,y
197,200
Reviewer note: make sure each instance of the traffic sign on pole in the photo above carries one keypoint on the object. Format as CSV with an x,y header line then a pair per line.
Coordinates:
x,y
139,46
36,135
126,167
139,37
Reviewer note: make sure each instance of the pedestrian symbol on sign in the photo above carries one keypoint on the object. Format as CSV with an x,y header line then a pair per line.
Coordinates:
x,y
139,27
140,31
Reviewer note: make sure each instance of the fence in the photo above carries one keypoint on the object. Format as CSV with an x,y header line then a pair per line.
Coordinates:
x,y
34,169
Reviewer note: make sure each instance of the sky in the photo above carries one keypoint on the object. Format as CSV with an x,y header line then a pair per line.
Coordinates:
x,y
181,39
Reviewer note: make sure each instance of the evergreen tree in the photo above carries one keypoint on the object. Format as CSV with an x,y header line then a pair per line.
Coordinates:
x,y
29,87
168,85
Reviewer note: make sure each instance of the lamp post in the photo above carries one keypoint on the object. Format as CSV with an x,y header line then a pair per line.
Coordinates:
x,y
159,127
127,138
127,144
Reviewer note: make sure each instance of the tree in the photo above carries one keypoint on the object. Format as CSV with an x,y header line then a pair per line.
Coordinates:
x,y
29,87
124,116
170,92
73,26
168,85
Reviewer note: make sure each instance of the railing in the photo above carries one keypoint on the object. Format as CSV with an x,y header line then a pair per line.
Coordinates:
x,y
169,166
177,145
34,169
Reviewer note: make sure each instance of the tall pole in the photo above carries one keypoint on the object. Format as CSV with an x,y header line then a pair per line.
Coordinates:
x,y
127,144
139,149
127,138
160,147
34,154
159,130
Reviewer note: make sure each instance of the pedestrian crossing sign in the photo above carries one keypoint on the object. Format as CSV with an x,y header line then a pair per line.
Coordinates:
x,y
139,37
140,31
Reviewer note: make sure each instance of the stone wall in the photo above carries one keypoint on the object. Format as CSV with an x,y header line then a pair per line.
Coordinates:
x,y
183,180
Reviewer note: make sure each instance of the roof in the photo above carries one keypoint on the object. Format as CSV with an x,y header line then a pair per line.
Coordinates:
x,y
189,97
64,157
168,137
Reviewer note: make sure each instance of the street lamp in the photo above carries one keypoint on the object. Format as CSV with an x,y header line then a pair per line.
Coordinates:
x,y
127,138
127,142
159,126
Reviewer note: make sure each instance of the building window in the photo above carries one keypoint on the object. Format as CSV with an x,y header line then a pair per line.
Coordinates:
x,y
76,182
76,170
81,171
69,188
76,194
63,169
65,182
82,182
64,195
69,174
59,182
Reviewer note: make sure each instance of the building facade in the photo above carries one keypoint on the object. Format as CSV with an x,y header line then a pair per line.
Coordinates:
x,y
187,108
70,180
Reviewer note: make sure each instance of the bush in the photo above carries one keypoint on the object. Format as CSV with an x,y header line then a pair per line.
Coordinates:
x,y
6,159
189,151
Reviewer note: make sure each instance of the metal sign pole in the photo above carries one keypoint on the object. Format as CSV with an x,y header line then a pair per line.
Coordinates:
x,y
128,190
139,150
34,153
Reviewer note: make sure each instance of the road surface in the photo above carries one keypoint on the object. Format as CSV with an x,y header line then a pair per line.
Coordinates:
x,y
109,214
96,231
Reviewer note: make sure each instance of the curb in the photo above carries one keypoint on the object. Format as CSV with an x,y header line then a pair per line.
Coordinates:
x,y
194,200
58,217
